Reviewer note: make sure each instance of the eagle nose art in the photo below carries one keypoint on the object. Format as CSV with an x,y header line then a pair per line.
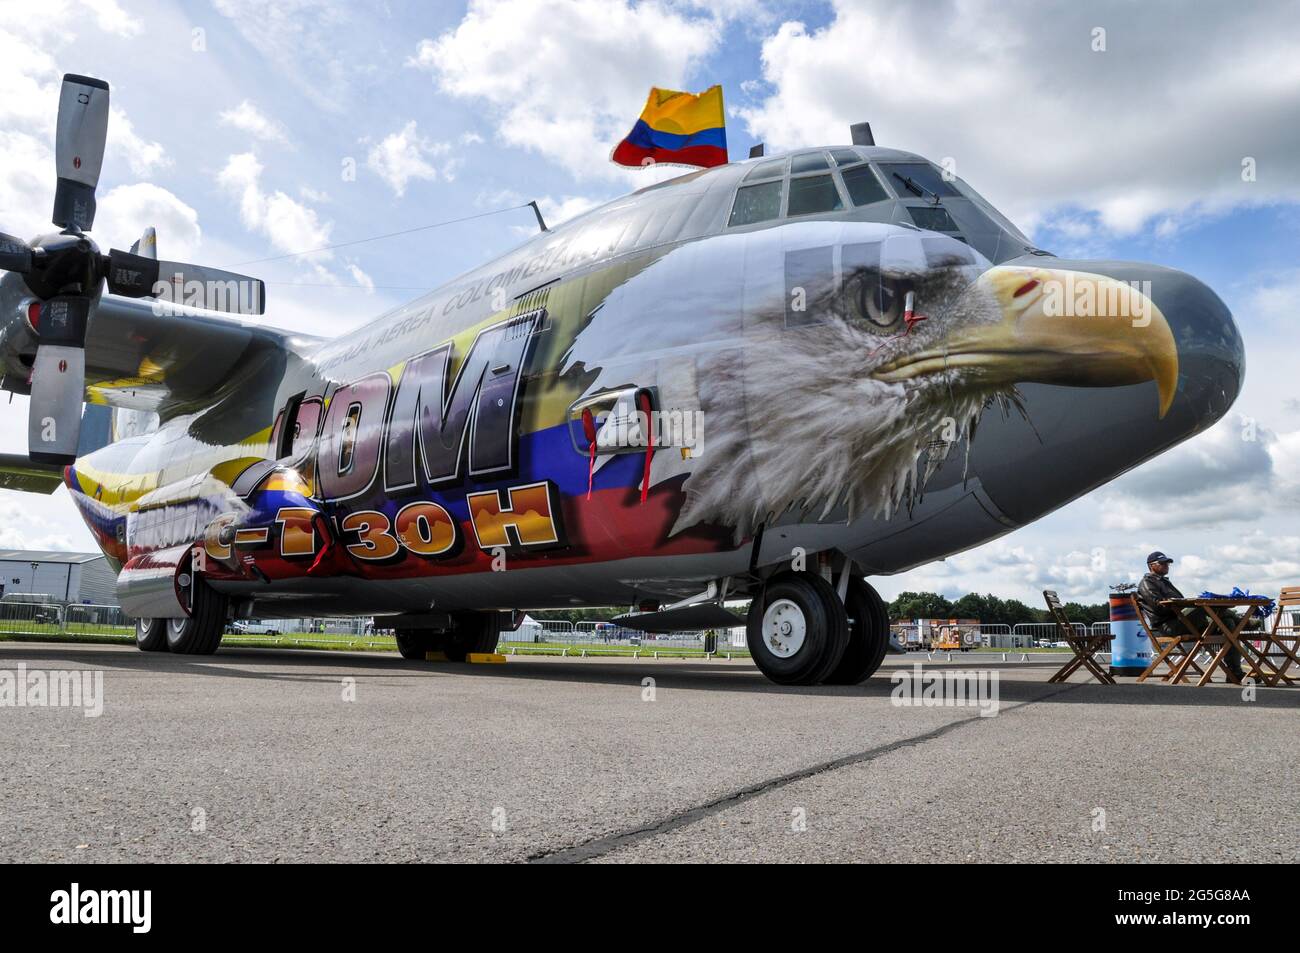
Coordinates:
x,y
1115,362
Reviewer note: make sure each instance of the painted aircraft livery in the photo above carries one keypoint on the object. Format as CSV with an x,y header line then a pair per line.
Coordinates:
x,y
764,380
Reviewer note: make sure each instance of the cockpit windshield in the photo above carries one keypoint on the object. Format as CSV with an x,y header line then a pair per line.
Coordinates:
x,y
917,179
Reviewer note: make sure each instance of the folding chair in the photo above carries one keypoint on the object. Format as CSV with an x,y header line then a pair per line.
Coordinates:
x,y
1084,643
1167,650
1275,646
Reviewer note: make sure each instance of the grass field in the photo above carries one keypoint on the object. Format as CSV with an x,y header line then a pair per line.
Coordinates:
x,y
597,649
20,631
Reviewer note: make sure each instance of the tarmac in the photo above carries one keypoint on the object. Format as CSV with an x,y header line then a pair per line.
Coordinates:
x,y
289,755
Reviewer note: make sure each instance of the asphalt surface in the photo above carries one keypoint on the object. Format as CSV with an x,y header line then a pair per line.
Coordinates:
x,y
257,755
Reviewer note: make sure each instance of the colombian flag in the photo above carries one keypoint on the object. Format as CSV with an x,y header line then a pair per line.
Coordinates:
x,y
677,129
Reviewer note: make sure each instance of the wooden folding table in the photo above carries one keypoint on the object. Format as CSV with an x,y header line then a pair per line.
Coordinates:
x,y
1230,636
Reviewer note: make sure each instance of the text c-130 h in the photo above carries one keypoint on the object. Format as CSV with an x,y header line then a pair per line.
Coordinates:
x,y
832,324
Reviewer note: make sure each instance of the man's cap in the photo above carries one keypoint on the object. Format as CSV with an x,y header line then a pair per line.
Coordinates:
x,y
1159,557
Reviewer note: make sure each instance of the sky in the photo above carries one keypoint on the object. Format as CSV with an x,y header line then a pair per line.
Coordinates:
x,y
1162,132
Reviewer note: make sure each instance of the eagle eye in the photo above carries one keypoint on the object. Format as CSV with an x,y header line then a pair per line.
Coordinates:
x,y
877,300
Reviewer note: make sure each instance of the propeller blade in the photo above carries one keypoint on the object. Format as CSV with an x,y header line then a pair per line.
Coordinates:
x,y
194,286
131,275
58,381
212,288
146,246
79,149
15,254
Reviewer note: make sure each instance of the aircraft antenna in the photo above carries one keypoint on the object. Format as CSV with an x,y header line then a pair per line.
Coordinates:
x,y
541,222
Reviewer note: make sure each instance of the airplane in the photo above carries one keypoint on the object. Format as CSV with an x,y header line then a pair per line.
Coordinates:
x,y
770,379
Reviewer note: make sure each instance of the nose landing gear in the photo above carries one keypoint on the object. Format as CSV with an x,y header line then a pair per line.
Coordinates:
x,y
801,633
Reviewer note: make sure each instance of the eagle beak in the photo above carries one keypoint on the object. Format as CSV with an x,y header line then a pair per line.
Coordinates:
x,y
1058,327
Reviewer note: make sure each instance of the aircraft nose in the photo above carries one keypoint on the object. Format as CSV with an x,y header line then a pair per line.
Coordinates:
x,y
1137,394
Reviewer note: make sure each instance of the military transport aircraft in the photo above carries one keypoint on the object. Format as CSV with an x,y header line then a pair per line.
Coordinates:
x,y
768,379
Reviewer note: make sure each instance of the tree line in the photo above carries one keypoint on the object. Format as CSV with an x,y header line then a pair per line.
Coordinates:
x,y
988,608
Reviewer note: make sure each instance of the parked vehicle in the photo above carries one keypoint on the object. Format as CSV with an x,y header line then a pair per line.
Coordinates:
x,y
252,627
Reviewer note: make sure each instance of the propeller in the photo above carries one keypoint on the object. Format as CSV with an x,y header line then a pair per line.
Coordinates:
x,y
67,272
79,149
15,254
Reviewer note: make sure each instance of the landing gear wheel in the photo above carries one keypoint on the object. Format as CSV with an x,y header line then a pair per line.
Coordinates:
x,y
200,634
868,635
151,635
797,629
416,643
472,632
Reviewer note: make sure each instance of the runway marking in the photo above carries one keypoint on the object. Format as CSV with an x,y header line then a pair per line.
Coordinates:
x,y
600,846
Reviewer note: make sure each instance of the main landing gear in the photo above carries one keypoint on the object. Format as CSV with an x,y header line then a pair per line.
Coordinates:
x,y
197,634
801,633
470,632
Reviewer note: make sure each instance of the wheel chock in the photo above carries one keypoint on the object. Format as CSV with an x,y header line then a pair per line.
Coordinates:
x,y
435,657
485,658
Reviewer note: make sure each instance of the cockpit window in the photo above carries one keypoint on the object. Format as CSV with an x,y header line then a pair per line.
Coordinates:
x,y
864,188
844,157
756,203
814,193
808,162
932,218
917,180
766,170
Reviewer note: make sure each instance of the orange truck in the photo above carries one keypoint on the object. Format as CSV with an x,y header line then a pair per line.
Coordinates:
x,y
950,635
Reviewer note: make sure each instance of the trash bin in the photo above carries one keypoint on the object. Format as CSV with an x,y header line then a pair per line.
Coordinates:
x,y
710,642
1130,650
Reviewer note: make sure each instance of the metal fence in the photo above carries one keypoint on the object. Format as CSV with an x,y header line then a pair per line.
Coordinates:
x,y
31,617
96,620
347,632
595,634
55,619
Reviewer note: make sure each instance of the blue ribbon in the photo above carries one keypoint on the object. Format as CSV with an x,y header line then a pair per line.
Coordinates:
x,y
1261,611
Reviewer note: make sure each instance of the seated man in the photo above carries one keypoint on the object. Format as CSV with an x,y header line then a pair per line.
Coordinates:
x,y
1164,620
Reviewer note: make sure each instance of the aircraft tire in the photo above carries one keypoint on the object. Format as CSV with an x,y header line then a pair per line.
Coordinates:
x,y
415,643
201,632
472,632
868,635
151,635
797,629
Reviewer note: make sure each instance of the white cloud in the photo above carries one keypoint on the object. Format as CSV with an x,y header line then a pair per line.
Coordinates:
x,y
567,78
143,155
300,39
1154,128
360,277
29,99
554,211
26,184
404,155
248,118
289,225
125,212
111,18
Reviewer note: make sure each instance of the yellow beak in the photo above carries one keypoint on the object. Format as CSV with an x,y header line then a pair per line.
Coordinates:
x,y
1058,327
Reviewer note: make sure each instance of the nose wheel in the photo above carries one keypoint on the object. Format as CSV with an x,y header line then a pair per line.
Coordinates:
x,y
784,628
868,635
797,629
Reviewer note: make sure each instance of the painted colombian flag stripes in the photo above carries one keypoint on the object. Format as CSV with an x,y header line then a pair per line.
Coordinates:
x,y
677,128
